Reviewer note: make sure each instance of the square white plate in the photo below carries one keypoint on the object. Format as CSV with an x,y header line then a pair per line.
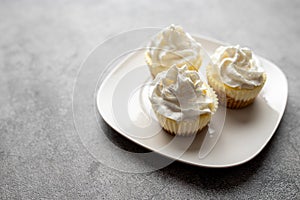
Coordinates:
x,y
124,105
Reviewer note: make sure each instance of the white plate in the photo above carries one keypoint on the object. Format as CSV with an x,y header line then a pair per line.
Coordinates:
x,y
124,105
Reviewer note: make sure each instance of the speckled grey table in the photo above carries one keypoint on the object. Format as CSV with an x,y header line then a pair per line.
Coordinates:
x,y
42,44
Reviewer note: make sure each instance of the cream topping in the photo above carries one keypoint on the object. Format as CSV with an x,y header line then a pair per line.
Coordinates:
x,y
180,94
237,67
173,46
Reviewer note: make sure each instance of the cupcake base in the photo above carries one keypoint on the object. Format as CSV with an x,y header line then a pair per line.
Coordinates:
x,y
231,103
183,128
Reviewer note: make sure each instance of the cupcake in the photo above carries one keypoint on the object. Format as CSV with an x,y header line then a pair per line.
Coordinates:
x,y
182,102
235,76
172,46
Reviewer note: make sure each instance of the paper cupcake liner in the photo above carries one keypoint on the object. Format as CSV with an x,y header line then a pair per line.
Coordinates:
x,y
183,128
234,104
234,98
157,69
214,106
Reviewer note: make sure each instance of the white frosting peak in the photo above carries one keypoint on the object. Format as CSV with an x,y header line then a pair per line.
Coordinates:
x,y
179,94
173,46
237,67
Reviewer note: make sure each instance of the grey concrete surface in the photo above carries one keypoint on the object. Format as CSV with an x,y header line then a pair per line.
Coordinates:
x,y
42,44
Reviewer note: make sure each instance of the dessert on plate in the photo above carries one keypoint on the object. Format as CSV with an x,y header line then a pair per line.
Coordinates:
x,y
170,46
235,75
182,102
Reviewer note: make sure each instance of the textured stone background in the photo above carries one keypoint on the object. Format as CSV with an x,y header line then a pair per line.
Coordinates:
x,y
42,44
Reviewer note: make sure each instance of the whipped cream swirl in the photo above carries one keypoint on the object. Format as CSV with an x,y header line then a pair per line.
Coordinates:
x,y
173,46
179,94
237,67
